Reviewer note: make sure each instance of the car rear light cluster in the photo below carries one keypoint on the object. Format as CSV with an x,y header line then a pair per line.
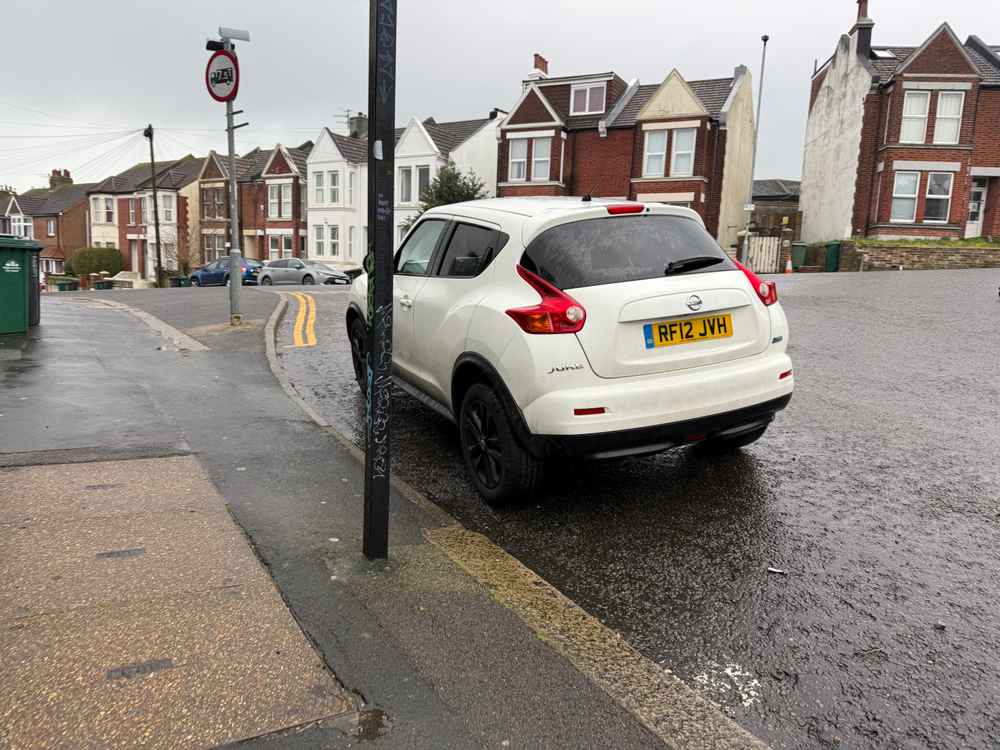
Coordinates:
x,y
556,313
626,208
589,411
766,290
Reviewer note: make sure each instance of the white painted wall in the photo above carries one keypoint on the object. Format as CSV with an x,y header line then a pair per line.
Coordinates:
x,y
344,213
738,164
833,147
415,149
101,234
479,154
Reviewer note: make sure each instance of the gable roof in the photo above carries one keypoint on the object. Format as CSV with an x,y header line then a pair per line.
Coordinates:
x,y
984,58
448,136
355,150
180,173
712,93
50,202
130,180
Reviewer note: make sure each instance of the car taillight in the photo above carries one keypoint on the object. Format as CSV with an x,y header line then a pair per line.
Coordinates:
x,y
626,208
766,290
556,313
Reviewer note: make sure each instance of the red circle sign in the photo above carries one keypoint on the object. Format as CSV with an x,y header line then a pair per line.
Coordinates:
x,y
222,76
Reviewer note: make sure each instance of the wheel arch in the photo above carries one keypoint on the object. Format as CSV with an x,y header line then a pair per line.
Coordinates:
x,y
471,368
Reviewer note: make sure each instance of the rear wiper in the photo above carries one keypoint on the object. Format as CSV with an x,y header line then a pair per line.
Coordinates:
x,y
690,264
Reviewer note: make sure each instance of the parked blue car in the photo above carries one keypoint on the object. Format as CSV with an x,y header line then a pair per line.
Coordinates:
x,y
217,272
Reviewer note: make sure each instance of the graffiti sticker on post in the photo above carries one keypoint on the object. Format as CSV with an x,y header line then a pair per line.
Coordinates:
x,y
222,76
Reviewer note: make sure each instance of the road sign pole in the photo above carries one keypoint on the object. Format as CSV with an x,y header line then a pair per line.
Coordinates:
x,y
378,264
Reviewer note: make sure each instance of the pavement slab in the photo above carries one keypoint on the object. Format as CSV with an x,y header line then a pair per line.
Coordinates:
x,y
133,613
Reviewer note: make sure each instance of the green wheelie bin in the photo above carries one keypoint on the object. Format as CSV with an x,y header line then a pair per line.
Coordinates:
x,y
20,302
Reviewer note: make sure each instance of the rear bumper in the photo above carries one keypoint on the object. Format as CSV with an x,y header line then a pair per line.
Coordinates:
x,y
647,440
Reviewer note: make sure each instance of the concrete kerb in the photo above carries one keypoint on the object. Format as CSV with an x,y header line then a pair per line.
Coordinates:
x,y
677,714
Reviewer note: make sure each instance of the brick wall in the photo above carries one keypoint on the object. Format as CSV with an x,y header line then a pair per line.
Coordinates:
x,y
864,187
602,162
890,258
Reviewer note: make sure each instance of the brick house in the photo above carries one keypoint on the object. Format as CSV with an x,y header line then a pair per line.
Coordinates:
x,y
903,141
213,202
681,142
120,214
273,204
59,215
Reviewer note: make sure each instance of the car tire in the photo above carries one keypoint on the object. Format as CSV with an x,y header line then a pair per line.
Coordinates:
x,y
358,334
266,281
194,281
720,446
307,280
499,467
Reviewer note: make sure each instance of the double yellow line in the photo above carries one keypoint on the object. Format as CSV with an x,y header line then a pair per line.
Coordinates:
x,y
304,332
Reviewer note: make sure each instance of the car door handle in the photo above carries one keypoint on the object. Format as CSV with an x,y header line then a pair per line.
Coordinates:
x,y
405,302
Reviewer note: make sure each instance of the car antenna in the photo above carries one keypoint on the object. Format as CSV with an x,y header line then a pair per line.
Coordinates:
x,y
590,193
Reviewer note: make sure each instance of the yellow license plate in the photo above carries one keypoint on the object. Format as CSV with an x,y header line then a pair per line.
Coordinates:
x,y
688,330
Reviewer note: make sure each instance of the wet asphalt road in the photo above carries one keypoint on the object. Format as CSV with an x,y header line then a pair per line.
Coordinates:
x,y
877,492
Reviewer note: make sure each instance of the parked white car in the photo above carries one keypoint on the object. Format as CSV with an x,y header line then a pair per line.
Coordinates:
x,y
561,327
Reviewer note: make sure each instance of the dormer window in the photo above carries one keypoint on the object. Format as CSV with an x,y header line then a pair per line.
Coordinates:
x,y
588,98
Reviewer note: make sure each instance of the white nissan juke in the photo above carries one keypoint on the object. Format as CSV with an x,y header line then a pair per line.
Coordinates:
x,y
567,327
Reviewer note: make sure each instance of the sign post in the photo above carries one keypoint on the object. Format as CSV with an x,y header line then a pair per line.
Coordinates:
x,y
378,264
222,78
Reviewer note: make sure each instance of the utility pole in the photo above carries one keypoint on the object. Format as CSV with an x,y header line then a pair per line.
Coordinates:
x,y
753,164
222,78
378,264
148,132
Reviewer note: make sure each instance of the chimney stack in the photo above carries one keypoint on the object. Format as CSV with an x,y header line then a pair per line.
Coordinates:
x,y
58,178
357,125
540,69
862,30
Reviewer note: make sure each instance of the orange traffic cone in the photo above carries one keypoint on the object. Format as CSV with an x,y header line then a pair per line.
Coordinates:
x,y
788,265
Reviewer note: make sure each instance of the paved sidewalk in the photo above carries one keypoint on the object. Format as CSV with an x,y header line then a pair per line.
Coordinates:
x,y
134,613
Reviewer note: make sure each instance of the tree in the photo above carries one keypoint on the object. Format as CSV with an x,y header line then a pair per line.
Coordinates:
x,y
450,186
96,259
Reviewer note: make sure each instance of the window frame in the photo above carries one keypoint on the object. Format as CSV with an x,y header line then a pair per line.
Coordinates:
x,y
646,153
350,187
523,161
319,187
333,187
274,247
109,211
589,88
499,240
50,228
674,152
167,204
286,200
319,240
535,160
334,240
273,201
938,117
131,211
350,241
947,198
898,196
433,259
925,117
421,170
287,245
408,198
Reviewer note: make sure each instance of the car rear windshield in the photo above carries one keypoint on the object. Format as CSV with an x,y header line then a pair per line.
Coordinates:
x,y
620,248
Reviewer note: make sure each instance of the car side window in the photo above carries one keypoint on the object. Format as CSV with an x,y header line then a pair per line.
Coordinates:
x,y
296,264
277,264
415,256
470,250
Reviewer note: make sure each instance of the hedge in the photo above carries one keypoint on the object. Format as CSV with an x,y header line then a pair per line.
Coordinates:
x,y
96,259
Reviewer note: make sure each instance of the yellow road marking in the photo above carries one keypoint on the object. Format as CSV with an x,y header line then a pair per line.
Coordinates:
x,y
304,330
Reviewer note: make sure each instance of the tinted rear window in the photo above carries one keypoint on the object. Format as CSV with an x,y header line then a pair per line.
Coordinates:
x,y
619,248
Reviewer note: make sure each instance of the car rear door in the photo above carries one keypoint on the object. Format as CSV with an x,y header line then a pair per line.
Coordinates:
x,y
643,316
276,270
294,270
443,308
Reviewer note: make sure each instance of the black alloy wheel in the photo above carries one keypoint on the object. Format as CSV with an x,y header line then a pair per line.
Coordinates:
x,y
481,439
307,279
266,281
194,281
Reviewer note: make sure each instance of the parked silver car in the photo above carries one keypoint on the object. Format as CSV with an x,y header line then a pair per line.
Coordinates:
x,y
295,271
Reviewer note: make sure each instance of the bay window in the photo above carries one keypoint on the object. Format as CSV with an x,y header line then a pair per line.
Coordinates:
x,y
350,242
904,197
334,187
915,107
286,201
654,153
350,188
319,187
948,122
682,153
541,154
517,170
423,181
937,206
131,210
286,246
334,241
168,207
273,201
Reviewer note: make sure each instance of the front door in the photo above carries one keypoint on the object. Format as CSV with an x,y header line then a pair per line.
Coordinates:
x,y
133,246
977,207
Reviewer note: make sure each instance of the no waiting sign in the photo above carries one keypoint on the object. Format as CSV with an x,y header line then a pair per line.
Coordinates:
x,y
222,76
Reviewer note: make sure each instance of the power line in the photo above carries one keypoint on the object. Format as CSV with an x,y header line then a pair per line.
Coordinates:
x,y
20,165
64,135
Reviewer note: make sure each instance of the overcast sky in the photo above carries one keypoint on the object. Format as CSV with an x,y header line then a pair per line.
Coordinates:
x,y
80,75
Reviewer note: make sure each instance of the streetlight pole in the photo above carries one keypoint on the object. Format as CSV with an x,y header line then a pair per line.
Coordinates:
x,y
148,132
753,164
